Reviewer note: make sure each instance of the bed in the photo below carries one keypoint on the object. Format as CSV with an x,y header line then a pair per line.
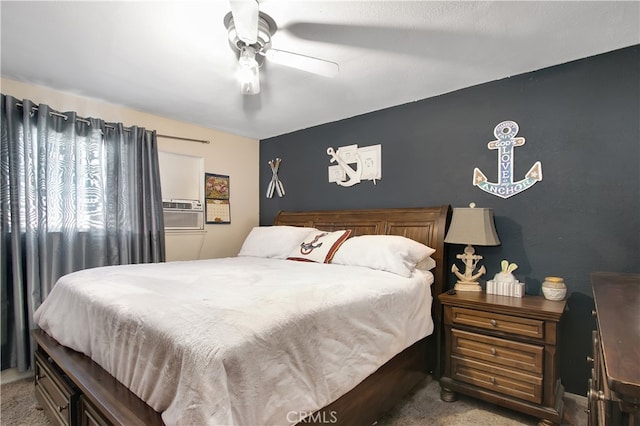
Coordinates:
x,y
365,382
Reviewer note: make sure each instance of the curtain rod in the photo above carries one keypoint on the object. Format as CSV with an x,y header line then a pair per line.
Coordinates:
x,y
180,138
82,120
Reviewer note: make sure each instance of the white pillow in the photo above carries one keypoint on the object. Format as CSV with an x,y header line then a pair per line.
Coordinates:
x,y
391,253
426,264
273,241
319,246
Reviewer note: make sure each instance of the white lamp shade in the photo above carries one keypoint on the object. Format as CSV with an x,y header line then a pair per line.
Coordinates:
x,y
473,226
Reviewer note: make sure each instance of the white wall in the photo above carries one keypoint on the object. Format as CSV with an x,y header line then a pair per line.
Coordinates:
x,y
227,154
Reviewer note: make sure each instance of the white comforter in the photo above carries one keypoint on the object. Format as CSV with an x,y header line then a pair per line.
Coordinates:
x,y
240,340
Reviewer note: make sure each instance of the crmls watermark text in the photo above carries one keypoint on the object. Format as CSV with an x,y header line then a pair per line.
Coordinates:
x,y
320,417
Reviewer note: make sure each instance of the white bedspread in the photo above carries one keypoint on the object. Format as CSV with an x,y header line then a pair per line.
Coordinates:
x,y
243,340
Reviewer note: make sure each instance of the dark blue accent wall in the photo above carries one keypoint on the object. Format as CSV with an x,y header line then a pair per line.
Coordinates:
x,y
581,120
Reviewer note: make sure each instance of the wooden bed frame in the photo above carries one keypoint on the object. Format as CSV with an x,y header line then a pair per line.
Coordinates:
x,y
75,390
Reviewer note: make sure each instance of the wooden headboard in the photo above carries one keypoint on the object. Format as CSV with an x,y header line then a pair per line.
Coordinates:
x,y
423,224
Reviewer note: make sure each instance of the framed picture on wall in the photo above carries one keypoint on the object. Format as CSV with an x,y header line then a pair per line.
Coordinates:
x,y
216,197
216,186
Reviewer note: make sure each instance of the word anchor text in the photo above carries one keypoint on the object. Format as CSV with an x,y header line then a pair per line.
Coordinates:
x,y
505,133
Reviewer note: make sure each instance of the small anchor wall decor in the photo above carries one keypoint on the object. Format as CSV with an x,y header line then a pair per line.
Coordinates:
x,y
367,161
506,133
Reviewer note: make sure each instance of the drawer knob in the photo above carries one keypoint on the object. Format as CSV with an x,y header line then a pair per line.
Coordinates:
x,y
494,323
598,395
594,313
590,360
493,351
62,408
493,380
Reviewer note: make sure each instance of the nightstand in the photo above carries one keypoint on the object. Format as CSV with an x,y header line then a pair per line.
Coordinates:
x,y
504,350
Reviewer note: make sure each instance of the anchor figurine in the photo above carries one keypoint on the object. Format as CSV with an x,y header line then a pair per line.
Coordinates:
x,y
506,133
468,280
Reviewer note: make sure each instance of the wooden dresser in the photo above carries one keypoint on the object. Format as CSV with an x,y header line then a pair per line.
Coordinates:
x,y
504,350
614,386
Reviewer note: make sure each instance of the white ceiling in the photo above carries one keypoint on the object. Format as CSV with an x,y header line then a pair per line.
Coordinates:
x,y
173,59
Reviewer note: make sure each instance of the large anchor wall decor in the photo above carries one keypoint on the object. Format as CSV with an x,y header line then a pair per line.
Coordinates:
x,y
366,160
506,133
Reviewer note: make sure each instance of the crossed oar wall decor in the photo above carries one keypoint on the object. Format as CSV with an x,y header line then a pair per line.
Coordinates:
x,y
275,183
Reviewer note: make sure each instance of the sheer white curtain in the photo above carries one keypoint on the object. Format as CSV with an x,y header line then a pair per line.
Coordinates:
x,y
76,193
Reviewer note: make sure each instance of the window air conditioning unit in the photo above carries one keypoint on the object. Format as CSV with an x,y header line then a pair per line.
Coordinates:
x,y
183,214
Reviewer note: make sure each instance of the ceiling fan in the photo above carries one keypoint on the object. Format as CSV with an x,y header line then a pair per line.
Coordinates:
x,y
250,32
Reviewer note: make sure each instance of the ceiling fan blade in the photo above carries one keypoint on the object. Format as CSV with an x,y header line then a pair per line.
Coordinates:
x,y
303,62
245,18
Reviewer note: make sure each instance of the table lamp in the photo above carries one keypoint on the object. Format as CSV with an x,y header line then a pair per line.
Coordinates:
x,y
471,226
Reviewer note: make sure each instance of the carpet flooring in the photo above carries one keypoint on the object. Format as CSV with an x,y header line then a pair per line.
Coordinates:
x,y
420,408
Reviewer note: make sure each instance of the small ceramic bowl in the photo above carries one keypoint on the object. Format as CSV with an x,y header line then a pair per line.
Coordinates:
x,y
553,288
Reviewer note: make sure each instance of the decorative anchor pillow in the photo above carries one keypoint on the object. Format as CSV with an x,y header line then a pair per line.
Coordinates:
x,y
319,246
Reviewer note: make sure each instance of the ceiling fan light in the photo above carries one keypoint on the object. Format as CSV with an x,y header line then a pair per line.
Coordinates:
x,y
248,71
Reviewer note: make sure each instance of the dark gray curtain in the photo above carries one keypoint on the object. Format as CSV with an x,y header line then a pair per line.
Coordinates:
x,y
76,193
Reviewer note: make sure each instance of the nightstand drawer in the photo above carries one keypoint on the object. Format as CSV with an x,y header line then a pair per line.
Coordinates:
x,y
513,325
502,380
520,356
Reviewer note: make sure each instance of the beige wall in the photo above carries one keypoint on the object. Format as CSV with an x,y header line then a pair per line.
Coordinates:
x,y
227,154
